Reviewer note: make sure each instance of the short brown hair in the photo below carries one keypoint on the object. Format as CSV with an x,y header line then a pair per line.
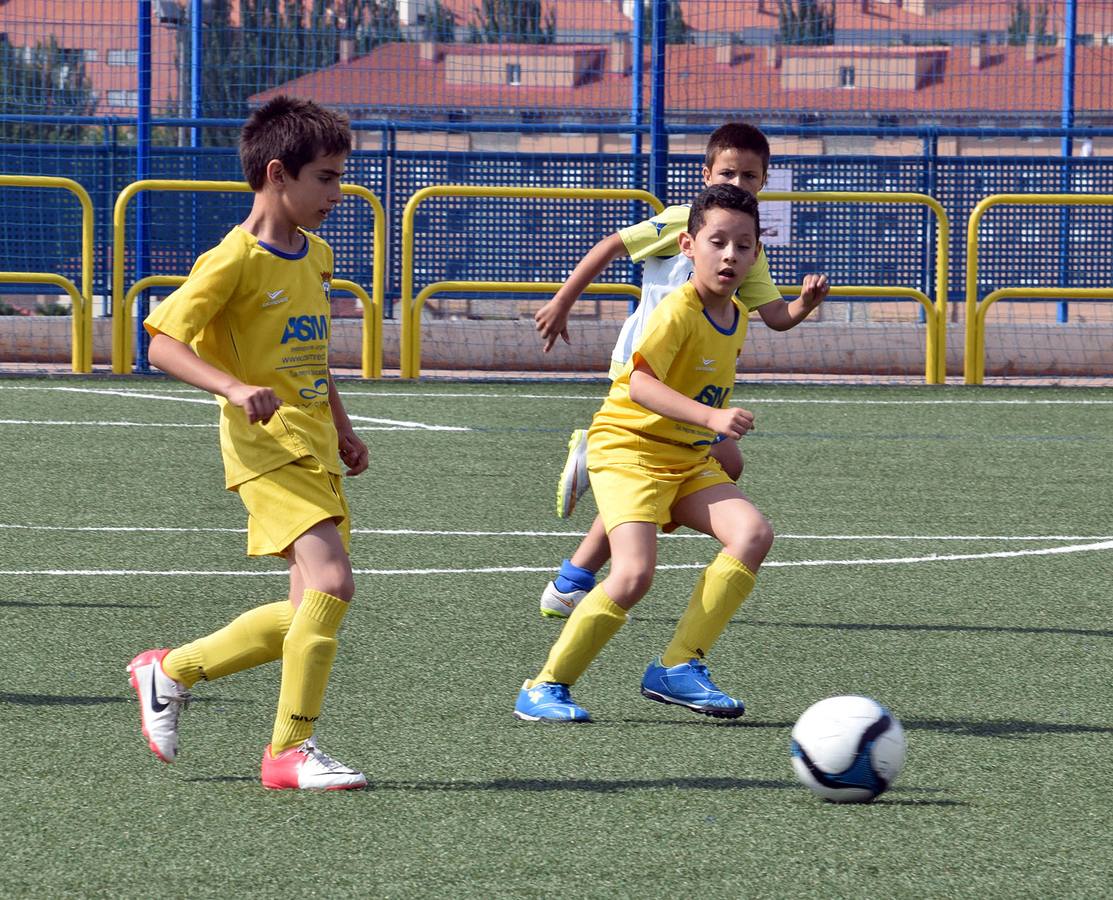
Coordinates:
x,y
737,136
722,196
293,131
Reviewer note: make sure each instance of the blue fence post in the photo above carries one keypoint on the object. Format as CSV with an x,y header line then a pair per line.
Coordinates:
x,y
659,139
196,54
142,170
1066,148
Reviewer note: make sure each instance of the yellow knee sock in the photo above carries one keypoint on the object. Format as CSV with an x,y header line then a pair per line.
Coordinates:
x,y
248,640
592,623
719,592
307,655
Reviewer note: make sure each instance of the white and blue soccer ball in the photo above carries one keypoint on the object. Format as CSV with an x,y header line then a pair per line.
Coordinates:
x,y
847,749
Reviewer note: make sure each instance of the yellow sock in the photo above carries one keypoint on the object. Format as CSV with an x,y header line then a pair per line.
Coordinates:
x,y
307,655
248,640
592,623
719,592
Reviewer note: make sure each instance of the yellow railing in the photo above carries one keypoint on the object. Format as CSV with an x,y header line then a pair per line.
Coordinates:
x,y
935,354
974,359
81,325
372,365
410,352
411,357
121,302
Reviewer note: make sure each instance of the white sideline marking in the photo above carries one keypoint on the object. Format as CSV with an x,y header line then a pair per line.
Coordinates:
x,y
499,570
394,424
420,532
595,398
104,423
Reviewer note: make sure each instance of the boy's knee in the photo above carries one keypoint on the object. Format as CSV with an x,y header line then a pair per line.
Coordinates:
x,y
754,542
336,583
629,586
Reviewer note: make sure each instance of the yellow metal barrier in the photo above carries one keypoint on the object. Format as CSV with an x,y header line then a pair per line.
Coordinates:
x,y
412,363
410,352
121,303
372,325
935,356
81,350
974,357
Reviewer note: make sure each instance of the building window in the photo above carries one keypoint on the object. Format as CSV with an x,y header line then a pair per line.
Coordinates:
x,y
513,73
90,54
123,57
846,76
123,98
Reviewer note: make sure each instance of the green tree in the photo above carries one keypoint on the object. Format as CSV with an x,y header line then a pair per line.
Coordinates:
x,y
278,41
45,80
1044,37
1020,23
677,30
440,25
512,22
806,22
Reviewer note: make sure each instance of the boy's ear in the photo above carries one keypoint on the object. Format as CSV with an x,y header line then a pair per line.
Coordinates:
x,y
687,244
706,176
276,173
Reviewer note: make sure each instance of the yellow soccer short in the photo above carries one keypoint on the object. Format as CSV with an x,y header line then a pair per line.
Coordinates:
x,y
286,502
636,492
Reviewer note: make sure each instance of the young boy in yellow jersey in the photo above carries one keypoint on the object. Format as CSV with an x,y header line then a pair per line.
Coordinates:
x,y
650,466
251,325
737,153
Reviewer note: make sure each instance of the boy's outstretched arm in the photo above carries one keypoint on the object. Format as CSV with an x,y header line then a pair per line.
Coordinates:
x,y
179,360
353,452
647,390
552,318
783,316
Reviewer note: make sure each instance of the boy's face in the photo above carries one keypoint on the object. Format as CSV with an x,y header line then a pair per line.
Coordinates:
x,y
722,251
312,195
742,168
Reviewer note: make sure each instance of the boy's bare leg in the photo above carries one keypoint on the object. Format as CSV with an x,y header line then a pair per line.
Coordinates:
x,y
576,576
320,567
729,455
594,550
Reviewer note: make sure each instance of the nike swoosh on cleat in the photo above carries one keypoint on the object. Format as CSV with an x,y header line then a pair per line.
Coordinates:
x,y
155,705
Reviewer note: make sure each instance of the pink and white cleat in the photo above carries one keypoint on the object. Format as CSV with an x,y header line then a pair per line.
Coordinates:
x,y
309,769
161,700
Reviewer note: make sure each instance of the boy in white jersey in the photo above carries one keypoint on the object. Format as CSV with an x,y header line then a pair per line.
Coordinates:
x,y
650,466
251,325
737,153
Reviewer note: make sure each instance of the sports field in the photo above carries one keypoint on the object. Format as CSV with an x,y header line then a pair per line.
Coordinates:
x,y
948,551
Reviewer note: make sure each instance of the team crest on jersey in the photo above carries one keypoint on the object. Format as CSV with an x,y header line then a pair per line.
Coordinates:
x,y
326,284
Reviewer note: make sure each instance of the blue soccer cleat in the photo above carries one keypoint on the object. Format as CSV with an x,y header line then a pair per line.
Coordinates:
x,y
548,702
688,684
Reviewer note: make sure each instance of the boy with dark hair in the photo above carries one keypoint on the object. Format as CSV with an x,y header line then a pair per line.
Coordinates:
x,y
650,466
738,154
251,326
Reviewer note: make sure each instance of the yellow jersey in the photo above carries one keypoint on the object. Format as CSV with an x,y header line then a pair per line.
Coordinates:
x,y
693,356
654,243
262,316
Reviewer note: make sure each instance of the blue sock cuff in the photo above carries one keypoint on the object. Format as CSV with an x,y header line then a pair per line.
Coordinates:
x,y
573,578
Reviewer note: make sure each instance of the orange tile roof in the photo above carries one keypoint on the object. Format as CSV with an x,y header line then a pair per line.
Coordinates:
x,y
393,78
571,15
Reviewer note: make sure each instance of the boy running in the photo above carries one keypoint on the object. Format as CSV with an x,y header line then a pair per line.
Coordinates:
x,y
251,325
650,466
738,154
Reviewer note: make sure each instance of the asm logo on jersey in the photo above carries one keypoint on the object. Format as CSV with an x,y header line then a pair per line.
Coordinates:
x,y
306,328
713,395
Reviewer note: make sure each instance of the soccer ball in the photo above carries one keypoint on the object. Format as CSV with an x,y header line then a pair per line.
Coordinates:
x,y
847,749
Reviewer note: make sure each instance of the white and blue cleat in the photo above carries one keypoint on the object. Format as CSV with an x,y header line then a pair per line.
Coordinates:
x,y
688,684
548,702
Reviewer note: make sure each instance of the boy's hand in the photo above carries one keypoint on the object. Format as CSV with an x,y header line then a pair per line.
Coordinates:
x,y
353,452
552,322
259,403
732,422
815,291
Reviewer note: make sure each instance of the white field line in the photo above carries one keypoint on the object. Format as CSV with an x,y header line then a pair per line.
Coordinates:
x,y
595,397
421,532
499,570
393,424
